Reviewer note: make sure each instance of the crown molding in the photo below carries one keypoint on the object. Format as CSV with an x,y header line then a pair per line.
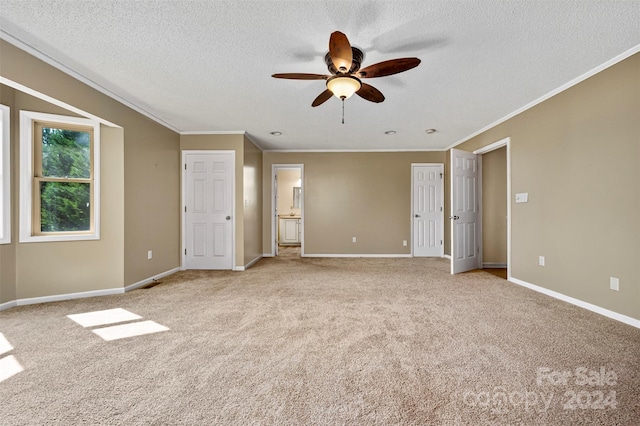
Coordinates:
x,y
65,69
621,57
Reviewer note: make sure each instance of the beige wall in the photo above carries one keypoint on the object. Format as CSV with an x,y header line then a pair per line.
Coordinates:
x,y
8,251
366,195
252,193
577,156
494,207
248,162
145,176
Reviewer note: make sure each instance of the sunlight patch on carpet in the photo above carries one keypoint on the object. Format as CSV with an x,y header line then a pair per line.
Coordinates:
x,y
109,316
9,366
129,330
5,346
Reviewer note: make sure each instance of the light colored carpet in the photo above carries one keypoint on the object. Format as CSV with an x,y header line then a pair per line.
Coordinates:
x,y
324,341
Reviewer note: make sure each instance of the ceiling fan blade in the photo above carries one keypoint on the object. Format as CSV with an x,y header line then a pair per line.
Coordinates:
x,y
370,93
301,76
322,98
340,51
390,67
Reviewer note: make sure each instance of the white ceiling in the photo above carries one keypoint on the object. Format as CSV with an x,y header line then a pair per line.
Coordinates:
x,y
205,66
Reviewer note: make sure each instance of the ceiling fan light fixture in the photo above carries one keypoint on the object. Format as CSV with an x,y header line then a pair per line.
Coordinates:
x,y
343,86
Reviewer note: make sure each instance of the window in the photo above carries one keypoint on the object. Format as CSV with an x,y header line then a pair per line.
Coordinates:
x,y
5,176
59,178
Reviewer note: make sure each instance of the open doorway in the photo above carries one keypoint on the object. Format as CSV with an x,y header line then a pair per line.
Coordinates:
x,y
467,206
494,212
496,207
287,210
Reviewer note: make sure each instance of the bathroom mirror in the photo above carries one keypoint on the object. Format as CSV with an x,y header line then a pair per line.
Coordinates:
x,y
297,190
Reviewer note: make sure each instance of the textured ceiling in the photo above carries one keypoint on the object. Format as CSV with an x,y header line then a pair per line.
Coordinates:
x,y
205,66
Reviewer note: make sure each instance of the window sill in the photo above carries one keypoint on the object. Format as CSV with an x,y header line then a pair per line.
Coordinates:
x,y
58,238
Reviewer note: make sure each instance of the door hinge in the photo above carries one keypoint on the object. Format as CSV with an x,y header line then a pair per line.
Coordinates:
x,y
440,208
185,166
440,175
440,242
185,252
185,209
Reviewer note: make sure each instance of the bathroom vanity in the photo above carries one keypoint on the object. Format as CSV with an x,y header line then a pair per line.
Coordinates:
x,y
289,230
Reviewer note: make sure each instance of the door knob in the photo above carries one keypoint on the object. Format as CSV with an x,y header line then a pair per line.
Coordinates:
x,y
228,217
417,215
454,217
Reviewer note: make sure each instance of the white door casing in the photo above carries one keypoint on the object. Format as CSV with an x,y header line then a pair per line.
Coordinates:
x,y
427,210
464,212
208,209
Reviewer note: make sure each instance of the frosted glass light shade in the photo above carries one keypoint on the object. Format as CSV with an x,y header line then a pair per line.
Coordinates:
x,y
343,87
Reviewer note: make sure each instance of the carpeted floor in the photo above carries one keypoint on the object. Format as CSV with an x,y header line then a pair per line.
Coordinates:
x,y
296,341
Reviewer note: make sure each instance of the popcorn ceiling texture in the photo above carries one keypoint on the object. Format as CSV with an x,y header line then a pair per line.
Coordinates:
x,y
206,65
325,341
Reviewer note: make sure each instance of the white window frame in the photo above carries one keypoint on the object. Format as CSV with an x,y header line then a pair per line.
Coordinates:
x,y
5,174
27,119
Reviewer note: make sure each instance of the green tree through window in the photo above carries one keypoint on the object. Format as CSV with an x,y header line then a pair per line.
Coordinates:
x,y
64,184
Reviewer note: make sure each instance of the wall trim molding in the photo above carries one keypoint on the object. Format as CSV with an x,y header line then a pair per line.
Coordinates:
x,y
83,294
611,62
9,38
356,255
305,151
69,296
490,265
248,265
150,279
447,256
577,302
8,305
213,132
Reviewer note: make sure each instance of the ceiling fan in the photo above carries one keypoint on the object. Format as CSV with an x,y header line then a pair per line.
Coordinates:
x,y
343,61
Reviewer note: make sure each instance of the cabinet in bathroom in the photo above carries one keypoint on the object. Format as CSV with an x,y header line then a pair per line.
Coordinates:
x,y
289,231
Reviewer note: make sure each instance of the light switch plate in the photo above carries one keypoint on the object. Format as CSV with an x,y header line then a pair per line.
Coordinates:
x,y
614,283
522,197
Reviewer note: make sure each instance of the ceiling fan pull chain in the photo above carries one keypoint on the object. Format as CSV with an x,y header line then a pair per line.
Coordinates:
x,y
342,110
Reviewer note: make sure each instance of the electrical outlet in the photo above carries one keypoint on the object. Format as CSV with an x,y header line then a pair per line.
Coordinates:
x,y
354,239
404,243
150,254
614,283
541,260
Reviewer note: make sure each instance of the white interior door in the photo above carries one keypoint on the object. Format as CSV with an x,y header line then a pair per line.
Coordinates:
x,y
208,215
465,249
428,215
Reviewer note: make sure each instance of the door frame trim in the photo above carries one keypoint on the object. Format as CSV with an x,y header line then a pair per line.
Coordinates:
x,y
488,148
413,166
183,201
273,212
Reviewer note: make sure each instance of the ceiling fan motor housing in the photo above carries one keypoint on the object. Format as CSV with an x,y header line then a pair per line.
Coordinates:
x,y
358,57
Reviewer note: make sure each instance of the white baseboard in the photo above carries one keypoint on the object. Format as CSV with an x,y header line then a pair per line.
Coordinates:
x,y
355,255
150,280
8,305
593,308
248,265
447,256
491,265
268,255
69,296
